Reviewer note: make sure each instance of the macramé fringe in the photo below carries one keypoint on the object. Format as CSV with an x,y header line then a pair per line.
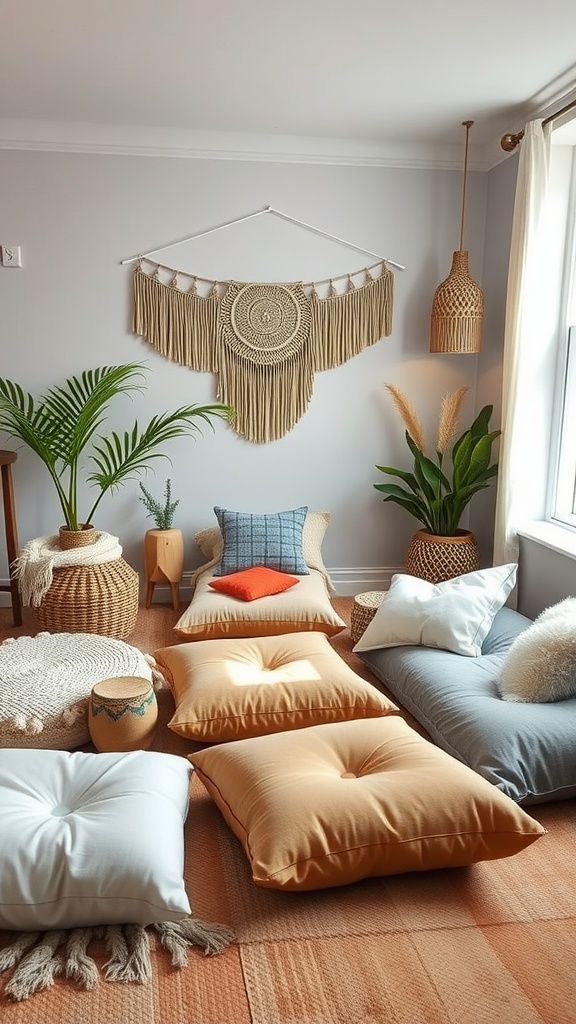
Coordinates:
x,y
269,393
38,958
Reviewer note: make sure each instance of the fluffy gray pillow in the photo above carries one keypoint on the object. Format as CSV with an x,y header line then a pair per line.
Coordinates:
x,y
540,666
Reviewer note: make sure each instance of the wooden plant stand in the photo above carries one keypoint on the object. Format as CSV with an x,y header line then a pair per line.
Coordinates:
x,y
164,562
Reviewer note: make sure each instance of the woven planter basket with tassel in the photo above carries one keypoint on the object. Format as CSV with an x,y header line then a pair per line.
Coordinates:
x,y
435,558
101,599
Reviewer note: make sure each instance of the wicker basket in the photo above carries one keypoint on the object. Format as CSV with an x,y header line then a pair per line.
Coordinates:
x,y
457,310
100,599
363,611
436,559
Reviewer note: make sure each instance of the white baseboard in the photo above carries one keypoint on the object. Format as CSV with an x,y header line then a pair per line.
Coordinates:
x,y
347,581
358,579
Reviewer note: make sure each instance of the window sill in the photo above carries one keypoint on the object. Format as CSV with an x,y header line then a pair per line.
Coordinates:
x,y
558,538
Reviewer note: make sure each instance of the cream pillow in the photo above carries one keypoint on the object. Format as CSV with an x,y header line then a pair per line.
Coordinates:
x,y
211,615
540,666
455,615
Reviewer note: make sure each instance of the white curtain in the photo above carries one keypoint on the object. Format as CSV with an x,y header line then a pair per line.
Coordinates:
x,y
528,325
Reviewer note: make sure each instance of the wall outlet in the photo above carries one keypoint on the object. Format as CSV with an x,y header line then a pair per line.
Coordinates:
x,y
11,255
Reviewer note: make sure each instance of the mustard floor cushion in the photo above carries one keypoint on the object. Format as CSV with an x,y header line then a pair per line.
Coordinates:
x,y
237,688
331,804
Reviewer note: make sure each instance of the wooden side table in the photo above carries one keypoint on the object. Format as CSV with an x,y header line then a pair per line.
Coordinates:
x,y
164,562
363,611
6,460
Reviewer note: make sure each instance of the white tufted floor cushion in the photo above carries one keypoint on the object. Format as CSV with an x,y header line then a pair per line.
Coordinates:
x,y
45,683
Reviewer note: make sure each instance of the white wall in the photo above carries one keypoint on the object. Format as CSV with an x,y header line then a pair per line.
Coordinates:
x,y
76,216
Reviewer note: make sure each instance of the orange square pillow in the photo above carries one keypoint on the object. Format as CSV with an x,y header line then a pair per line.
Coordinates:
x,y
250,584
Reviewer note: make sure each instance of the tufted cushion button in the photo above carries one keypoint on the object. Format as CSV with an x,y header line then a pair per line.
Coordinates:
x,y
348,775
61,811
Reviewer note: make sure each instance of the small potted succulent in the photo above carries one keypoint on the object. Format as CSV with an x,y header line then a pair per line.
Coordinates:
x,y
164,545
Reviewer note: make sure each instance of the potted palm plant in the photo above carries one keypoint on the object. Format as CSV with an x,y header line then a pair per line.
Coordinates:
x,y
439,488
164,545
64,427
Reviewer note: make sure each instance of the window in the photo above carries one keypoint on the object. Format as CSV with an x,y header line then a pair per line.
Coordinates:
x,y
564,494
562,485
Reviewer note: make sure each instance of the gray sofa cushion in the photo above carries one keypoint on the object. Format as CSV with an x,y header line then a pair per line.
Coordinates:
x,y
527,750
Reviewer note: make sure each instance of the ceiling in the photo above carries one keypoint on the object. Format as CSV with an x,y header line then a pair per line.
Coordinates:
x,y
372,80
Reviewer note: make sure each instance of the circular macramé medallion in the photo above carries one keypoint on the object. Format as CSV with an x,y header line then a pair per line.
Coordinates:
x,y
265,323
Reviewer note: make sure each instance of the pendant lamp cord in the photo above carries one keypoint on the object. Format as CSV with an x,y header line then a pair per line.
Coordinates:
x,y
467,125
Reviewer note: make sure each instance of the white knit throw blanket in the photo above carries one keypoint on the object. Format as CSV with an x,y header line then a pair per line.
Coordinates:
x,y
38,558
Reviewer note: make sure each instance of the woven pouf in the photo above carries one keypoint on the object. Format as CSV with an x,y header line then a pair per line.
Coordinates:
x,y
45,684
99,598
363,611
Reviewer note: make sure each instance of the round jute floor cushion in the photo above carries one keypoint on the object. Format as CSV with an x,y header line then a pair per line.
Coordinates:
x,y
46,680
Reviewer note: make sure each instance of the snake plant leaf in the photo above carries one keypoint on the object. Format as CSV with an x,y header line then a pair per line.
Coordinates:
x,y
413,506
408,478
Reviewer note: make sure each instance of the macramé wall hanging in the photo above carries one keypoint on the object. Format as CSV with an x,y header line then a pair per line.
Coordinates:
x,y
264,340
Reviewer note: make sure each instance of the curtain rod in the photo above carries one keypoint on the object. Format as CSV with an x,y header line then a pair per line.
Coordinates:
x,y
509,141
258,213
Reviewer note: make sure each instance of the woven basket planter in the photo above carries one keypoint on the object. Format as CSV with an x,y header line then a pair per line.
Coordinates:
x,y
101,599
435,558
82,538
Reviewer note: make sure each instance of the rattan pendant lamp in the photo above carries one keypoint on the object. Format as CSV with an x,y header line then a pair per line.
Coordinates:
x,y
458,304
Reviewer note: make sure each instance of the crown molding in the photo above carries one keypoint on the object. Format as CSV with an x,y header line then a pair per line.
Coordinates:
x,y
135,140
139,140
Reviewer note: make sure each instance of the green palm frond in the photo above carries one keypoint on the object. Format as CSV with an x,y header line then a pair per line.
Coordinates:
x,y
61,425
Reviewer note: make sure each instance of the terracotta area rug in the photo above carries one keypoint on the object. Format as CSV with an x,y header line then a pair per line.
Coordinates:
x,y
490,944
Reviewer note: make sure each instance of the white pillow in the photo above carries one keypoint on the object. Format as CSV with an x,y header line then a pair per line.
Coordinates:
x,y
91,839
540,666
455,615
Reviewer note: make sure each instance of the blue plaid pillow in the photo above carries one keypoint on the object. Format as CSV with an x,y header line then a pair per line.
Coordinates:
x,y
274,540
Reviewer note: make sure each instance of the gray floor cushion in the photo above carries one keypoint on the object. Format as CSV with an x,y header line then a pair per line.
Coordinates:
x,y
527,750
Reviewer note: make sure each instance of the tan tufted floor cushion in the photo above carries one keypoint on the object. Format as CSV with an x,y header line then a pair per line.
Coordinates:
x,y
45,683
332,804
229,689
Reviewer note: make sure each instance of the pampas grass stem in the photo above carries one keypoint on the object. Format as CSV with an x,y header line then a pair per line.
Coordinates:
x,y
408,414
448,420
